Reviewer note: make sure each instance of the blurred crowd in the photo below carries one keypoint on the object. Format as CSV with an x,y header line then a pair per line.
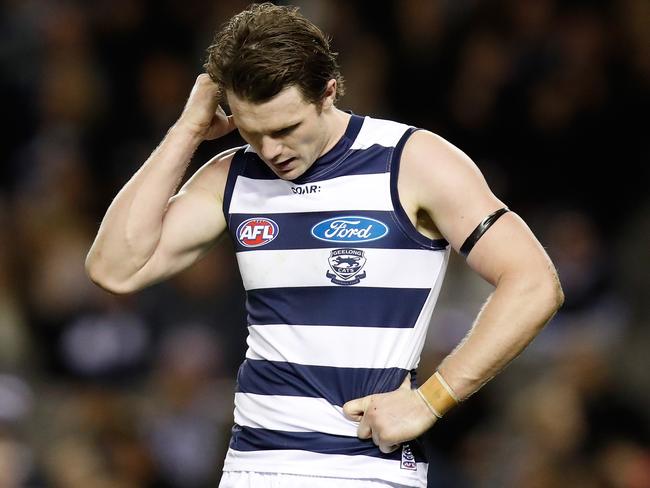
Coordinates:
x,y
549,97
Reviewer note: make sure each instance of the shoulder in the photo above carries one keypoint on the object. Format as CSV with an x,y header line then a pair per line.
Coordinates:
x,y
437,177
383,132
435,153
221,163
212,176
431,163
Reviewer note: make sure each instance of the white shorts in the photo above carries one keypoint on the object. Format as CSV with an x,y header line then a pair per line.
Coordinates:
x,y
251,479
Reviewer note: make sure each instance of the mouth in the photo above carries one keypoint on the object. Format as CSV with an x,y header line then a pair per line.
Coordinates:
x,y
284,165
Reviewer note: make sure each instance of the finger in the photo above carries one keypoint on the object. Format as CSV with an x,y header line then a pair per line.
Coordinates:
x,y
388,448
364,431
223,124
375,438
227,123
231,123
354,409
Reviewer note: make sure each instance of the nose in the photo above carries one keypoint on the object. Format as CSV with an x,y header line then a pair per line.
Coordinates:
x,y
271,149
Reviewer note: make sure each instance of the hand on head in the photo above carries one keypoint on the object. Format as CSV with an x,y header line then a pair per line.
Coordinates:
x,y
202,114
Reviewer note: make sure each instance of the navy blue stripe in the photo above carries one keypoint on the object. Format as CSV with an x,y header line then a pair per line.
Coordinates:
x,y
295,231
402,217
355,306
251,439
371,160
236,167
256,168
323,166
336,385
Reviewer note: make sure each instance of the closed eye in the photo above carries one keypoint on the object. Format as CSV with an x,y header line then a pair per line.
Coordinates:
x,y
285,131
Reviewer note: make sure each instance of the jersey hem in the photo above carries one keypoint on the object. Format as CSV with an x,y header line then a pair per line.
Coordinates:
x,y
335,472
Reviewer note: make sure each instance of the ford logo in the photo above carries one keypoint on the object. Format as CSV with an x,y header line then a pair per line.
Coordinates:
x,y
349,228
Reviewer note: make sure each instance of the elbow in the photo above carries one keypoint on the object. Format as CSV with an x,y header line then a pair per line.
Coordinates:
x,y
111,286
102,278
550,293
555,290
559,295
92,269
540,291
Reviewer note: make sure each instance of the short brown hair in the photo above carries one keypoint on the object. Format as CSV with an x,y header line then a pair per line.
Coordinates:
x,y
266,48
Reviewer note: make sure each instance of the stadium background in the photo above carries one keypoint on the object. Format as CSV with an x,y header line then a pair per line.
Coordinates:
x,y
550,98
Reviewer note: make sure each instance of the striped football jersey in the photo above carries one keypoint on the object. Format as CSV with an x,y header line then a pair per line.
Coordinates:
x,y
340,290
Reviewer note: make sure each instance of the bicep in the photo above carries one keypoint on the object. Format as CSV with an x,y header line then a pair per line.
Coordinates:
x,y
509,247
451,189
192,223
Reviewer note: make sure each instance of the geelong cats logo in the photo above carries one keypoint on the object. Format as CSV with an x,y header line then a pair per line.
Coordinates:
x,y
346,264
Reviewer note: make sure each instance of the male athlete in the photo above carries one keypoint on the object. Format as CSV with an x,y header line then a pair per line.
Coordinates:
x,y
342,226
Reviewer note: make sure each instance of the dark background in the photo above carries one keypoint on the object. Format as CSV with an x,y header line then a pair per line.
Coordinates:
x,y
550,99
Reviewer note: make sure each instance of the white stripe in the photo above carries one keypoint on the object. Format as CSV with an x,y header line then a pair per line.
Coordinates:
x,y
412,353
387,268
292,414
377,131
317,464
253,196
341,347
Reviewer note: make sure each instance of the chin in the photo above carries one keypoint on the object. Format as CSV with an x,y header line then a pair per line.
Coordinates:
x,y
292,174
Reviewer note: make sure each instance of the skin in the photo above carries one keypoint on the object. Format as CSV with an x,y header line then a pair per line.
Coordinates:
x,y
288,133
152,231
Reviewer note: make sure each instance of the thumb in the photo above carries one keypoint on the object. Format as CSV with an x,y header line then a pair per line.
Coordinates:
x,y
220,125
230,120
227,120
232,125
354,409
406,384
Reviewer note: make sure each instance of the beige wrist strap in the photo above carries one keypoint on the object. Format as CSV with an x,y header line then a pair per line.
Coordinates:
x,y
438,395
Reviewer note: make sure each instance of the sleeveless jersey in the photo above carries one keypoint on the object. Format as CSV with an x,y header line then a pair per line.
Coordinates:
x,y
340,290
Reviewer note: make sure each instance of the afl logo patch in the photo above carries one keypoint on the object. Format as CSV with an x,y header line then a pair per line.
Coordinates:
x,y
257,232
349,228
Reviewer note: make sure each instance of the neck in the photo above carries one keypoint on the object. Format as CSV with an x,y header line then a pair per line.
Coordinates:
x,y
336,123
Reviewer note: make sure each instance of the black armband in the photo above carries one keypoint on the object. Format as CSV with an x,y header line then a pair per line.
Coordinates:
x,y
477,233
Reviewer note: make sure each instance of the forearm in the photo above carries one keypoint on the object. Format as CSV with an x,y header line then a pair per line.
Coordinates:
x,y
513,315
131,228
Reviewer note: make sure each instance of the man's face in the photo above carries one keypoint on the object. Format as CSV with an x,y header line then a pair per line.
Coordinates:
x,y
287,132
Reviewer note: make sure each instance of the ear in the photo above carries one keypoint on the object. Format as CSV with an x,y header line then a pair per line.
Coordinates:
x,y
330,95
